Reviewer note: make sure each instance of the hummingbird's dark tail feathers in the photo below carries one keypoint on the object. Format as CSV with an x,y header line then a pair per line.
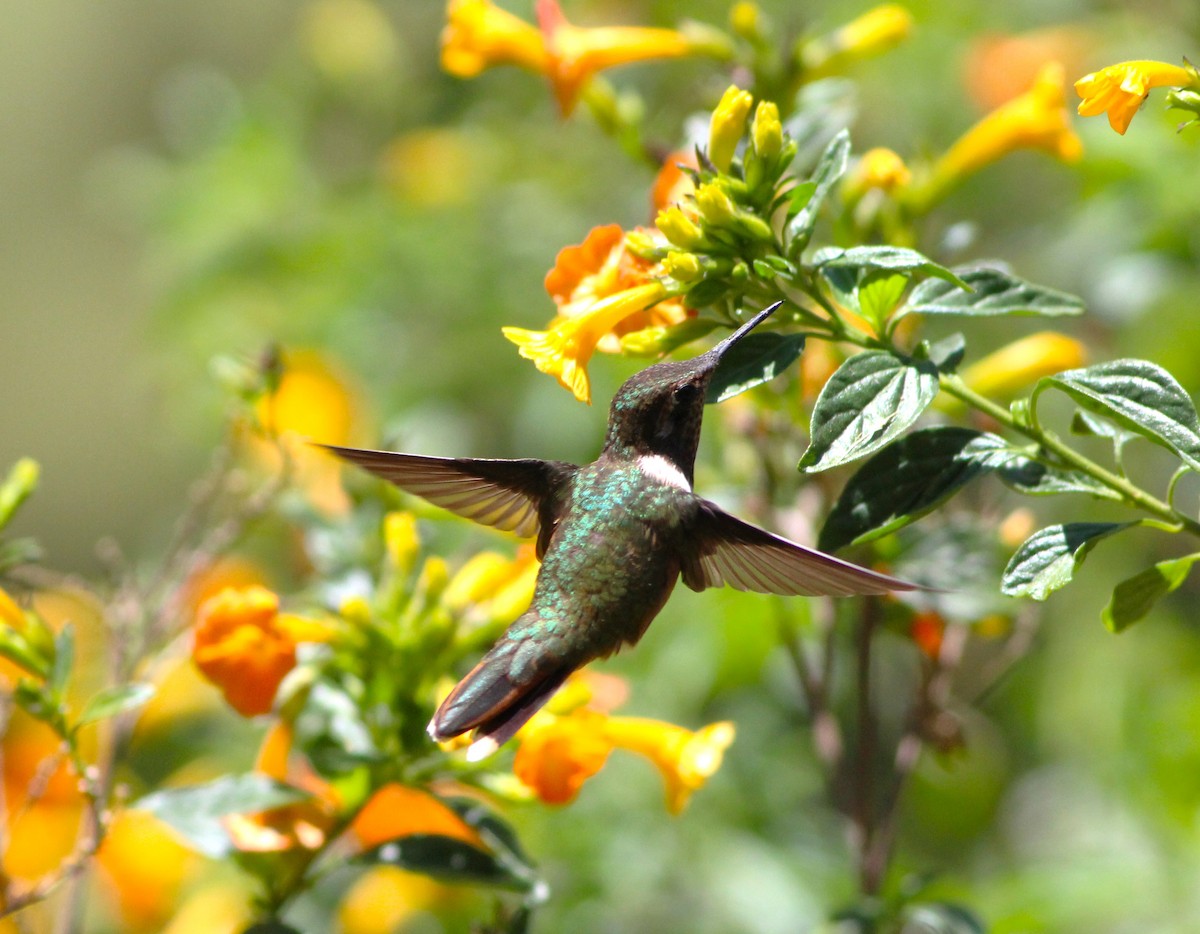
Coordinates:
x,y
496,698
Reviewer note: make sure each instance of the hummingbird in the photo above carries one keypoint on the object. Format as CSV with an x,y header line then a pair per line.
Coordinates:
x,y
613,538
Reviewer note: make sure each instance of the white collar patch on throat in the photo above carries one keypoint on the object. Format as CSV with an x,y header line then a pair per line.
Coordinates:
x,y
662,470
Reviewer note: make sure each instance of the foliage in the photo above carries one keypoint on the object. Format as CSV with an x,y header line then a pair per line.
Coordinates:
x,y
855,388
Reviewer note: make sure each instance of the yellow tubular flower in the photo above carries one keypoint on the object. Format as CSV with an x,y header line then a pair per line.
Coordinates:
x,y
1119,90
686,759
558,754
564,350
1038,119
766,131
401,539
879,168
1005,372
874,32
728,124
478,35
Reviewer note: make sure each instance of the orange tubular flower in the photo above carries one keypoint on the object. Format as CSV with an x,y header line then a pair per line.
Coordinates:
x,y
397,811
245,647
1038,119
1119,90
603,291
558,754
479,35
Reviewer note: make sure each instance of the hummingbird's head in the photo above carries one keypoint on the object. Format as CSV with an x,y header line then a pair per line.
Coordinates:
x,y
658,411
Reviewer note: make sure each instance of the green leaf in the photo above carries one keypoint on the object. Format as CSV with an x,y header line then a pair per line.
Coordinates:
x,y
21,481
1086,424
872,398
1141,397
993,292
879,293
196,811
905,481
830,168
331,731
892,258
116,700
1134,597
946,354
752,361
1048,559
449,859
1033,478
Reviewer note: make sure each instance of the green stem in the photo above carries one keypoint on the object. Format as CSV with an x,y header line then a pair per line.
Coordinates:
x,y
1049,441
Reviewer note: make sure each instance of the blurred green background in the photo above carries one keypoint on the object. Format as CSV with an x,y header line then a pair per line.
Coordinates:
x,y
181,180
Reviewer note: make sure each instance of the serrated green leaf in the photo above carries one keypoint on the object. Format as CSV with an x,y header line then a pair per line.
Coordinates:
x,y
830,168
891,258
755,359
1033,478
871,399
904,481
196,811
1134,597
1048,559
994,292
116,700
1141,397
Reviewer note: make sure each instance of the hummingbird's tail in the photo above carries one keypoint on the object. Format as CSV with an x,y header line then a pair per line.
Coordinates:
x,y
499,695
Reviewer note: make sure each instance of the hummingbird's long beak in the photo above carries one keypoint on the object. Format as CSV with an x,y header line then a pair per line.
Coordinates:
x,y
743,330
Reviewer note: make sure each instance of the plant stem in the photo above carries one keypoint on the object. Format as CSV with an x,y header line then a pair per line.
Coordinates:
x,y
1049,441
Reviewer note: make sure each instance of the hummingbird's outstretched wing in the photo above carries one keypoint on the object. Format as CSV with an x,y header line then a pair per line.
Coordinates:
x,y
521,496
726,550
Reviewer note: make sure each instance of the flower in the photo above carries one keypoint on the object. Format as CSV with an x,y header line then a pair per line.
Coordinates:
x,y
997,66
672,184
381,899
926,631
304,825
245,646
312,402
1005,372
557,754
686,759
879,168
479,35
396,811
727,126
876,31
1037,119
563,351
146,867
1119,89
493,586
603,291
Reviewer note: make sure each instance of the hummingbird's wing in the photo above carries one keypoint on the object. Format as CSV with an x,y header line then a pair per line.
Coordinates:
x,y
726,550
521,496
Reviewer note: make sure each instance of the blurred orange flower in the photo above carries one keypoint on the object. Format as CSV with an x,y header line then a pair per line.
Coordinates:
x,y
304,825
146,867
557,754
1120,89
999,67
672,184
479,35
603,290
311,403
1006,371
43,803
245,646
396,811
926,630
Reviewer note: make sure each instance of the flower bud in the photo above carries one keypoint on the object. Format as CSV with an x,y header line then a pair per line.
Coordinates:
x,y
679,228
728,125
